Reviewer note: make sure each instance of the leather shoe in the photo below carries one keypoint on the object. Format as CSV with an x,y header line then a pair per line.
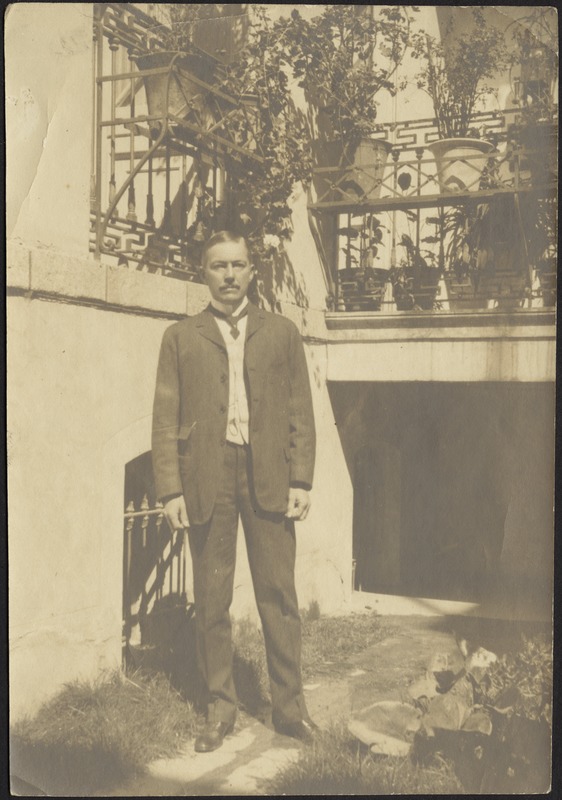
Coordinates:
x,y
212,735
304,730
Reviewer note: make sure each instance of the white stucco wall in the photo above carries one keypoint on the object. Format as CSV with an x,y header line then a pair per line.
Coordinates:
x,y
48,51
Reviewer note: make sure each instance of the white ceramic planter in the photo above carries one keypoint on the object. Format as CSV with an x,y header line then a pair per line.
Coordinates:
x,y
460,163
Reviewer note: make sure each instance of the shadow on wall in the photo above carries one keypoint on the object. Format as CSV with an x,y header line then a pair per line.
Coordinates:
x,y
277,277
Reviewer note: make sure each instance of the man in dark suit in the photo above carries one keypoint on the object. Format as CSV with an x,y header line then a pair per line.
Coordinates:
x,y
233,435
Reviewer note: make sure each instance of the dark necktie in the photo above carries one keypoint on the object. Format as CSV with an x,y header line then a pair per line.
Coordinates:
x,y
230,318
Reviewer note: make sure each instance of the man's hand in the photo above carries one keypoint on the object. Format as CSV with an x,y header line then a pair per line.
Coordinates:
x,y
176,513
298,505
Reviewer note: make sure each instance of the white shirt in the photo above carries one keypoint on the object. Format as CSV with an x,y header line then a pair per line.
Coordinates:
x,y
237,426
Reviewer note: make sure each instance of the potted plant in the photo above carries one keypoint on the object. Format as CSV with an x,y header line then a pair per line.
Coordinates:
x,y
539,221
187,44
343,58
535,57
485,255
454,76
257,191
258,119
499,246
459,259
415,283
361,284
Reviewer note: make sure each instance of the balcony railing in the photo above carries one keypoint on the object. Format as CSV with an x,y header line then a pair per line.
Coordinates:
x,y
400,230
160,168
163,141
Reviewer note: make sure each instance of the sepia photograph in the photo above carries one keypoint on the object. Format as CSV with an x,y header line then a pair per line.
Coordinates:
x,y
281,359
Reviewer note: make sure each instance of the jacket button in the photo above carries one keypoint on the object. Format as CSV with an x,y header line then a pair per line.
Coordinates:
x,y
223,377
223,409
222,442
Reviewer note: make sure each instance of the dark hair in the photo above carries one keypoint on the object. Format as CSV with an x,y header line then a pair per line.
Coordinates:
x,y
218,238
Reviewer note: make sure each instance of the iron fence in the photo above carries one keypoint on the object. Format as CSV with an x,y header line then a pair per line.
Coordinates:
x,y
154,566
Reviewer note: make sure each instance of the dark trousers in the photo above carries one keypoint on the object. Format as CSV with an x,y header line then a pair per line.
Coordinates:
x,y
270,543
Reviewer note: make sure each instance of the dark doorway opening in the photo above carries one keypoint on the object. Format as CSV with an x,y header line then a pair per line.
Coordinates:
x,y
453,486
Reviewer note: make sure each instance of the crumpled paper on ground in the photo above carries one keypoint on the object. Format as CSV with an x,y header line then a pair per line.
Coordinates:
x,y
387,727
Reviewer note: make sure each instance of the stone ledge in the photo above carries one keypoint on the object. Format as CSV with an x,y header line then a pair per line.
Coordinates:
x,y
197,298
65,275
54,274
143,290
431,322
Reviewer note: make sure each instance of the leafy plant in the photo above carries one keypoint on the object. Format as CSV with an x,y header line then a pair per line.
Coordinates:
x,y
454,75
178,23
265,121
415,281
343,58
521,680
284,139
534,39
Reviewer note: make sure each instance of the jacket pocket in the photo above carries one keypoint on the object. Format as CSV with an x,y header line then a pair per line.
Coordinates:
x,y
184,433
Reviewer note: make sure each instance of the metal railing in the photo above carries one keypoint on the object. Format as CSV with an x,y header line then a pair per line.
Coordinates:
x,y
160,168
406,174
154,566
405,195
163,139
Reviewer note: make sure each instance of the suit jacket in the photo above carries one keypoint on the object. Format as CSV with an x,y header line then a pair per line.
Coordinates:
x,y
191,404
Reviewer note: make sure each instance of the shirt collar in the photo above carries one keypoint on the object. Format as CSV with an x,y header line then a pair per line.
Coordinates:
x,y
236,311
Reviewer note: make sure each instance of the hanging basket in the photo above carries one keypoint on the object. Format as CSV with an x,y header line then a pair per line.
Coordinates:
x,y
349,174
460,163
173,92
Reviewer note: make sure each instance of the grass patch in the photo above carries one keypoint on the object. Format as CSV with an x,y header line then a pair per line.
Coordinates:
x,y
327,645
93,735
336,763
329,642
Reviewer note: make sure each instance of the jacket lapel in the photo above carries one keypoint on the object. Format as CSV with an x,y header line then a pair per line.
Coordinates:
x,y
255,320
208,328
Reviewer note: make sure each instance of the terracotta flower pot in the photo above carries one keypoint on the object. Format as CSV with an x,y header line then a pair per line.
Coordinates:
x,y
460,163
355,173
416,288
461,293
174,92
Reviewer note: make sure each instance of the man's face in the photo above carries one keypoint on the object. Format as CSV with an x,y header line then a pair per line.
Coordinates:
x,y
227,271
